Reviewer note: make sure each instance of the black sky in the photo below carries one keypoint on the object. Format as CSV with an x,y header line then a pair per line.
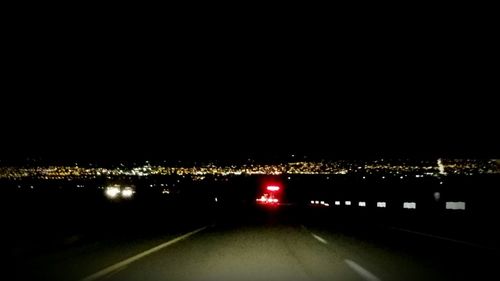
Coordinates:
x,y
266,129
92,97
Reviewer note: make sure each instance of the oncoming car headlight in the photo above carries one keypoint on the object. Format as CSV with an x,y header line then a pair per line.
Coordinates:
x,y
112,192
115,192
127,192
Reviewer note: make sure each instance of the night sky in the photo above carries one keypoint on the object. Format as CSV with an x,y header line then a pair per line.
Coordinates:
x,y
337,125
80,101
275,130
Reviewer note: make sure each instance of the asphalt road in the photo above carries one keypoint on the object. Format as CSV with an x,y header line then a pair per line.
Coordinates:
x,y
268,248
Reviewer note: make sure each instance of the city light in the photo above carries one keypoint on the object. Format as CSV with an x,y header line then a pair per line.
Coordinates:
x,y
439,168
381,204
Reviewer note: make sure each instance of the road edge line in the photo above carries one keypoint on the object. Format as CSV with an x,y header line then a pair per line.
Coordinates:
x,y
125,262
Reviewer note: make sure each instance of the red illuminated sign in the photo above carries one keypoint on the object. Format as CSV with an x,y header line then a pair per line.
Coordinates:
x,y
273,188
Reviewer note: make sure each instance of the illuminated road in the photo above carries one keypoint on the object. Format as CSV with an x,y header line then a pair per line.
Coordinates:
x,y
269,251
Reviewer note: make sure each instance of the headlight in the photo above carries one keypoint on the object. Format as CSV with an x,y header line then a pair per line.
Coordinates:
x,y
127,192
112,192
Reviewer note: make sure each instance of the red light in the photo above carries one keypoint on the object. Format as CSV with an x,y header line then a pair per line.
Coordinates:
x,y
267,200
273,188
261,199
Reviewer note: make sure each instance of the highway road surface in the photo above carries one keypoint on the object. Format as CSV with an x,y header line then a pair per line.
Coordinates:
x,y
266,250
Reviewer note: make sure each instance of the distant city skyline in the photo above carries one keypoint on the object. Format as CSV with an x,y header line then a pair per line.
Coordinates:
x,y
438,168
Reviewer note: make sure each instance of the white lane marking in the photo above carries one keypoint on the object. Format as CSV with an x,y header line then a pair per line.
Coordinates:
x,y
367,275
439,237
114,272
132,259
319,238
